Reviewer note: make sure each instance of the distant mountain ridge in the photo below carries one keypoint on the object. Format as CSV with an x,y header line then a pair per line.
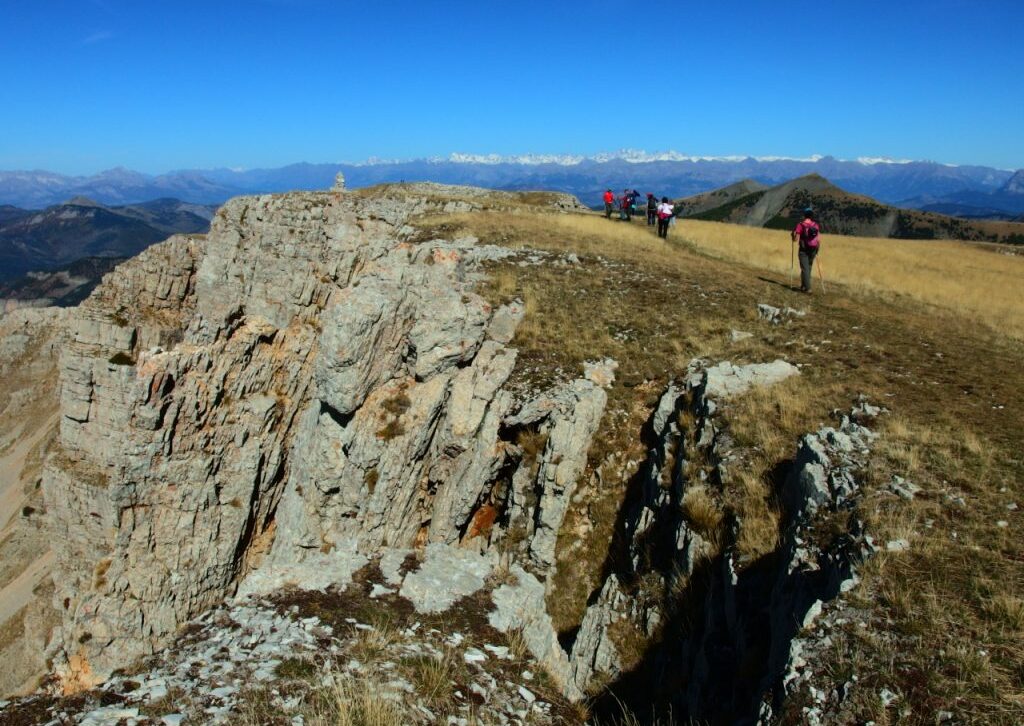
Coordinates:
x,y
33,241
840,212
664,173
1003,203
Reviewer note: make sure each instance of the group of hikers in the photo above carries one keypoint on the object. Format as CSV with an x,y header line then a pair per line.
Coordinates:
x,y
807,234
661,213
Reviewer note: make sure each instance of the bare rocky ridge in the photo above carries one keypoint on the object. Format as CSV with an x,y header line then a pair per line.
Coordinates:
x,y
313,392
283,383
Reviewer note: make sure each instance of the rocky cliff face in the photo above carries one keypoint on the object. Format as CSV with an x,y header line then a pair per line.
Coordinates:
x,y
29,343
315,397
719,636
303,384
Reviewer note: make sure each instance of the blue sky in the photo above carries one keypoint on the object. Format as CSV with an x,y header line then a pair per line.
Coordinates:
x,y
90,84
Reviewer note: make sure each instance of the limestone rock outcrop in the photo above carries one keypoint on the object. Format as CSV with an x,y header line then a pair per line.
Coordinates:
x,y
314,399
304,383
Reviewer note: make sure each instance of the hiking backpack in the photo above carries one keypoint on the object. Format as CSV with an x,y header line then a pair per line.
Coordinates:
x,y
809,235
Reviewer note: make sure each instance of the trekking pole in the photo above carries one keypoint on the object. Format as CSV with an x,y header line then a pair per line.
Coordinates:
x,y
821,275
792,261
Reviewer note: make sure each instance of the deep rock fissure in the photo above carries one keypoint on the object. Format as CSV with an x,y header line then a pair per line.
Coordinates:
x,y
723,636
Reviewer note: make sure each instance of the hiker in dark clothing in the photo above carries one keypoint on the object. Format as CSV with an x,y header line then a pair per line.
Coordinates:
x,y
665,212
609,203
633,196
652,209
808,234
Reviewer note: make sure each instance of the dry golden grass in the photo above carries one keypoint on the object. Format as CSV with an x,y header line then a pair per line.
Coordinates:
x,y
702,512
373,645
955,388
976,281
435,677
354,702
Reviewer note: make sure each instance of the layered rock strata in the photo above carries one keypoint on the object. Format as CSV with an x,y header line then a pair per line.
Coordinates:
x,y
305,383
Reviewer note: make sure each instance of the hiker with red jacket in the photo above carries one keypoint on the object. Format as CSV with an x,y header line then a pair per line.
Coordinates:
x,y
626,206
808,234
609,203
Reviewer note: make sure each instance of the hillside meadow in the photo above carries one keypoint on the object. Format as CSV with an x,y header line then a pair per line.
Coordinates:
x,y
978,281
930,330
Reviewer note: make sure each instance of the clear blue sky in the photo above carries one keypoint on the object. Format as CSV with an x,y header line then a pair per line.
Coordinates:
x,y
154,86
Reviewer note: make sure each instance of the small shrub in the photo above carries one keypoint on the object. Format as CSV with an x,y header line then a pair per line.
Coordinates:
x,y
397,405
170,337
296,669
392,430
100,573
370,478
532,444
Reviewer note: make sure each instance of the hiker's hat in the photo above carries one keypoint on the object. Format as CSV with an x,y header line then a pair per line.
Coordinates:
x,y
808,210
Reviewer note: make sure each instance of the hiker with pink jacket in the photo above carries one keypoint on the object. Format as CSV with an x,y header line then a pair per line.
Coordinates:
x,y
808,234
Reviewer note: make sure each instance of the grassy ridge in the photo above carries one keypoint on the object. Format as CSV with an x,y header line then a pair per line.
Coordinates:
x,y
921,328
977,282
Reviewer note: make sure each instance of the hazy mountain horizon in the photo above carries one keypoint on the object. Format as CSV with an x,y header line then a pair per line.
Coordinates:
x,y
894,181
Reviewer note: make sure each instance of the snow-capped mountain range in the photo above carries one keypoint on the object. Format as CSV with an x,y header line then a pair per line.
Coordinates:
x,y
969,189
631,156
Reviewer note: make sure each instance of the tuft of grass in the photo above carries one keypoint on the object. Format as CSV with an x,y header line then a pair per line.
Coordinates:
x,y
176,700
759,517
517,646
1006,610
531,443
702,512
352,702
434,678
